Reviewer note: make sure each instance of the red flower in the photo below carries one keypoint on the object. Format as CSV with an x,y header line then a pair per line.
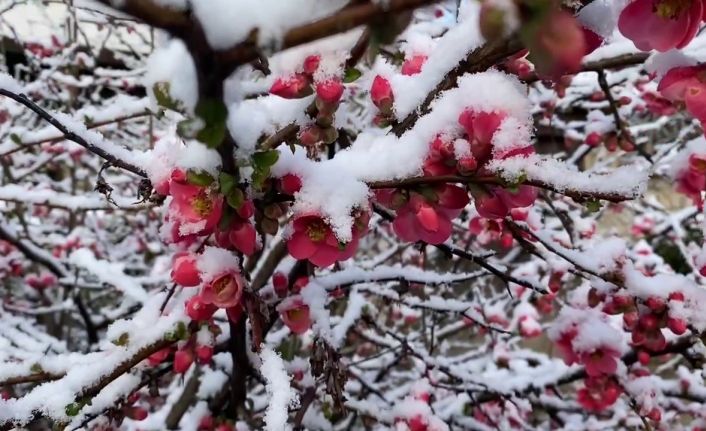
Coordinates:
x,y
441,159
661,24
196,209
295,314
497,202
598,394
223,291
381,94
184,271
686,84
692,180
480,128
182,361
426,217
311,64
602,361
292,87
290,184
330,91
198,310
314,240
413,65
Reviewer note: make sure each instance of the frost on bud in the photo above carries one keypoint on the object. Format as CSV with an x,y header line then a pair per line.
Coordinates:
x,y
311,64
184,270
330,91
182,361
381,94
293,87
310,135
290,184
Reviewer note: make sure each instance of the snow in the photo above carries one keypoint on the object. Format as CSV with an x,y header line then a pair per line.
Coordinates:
x,y
112,273
9,83
173,64
278,389
594,330
626,181
171,152
214,261
228,22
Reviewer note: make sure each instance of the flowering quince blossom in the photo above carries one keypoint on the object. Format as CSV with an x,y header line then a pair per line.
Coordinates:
x,y
240,232
687,85
295,314
314,240
194,209
224,290
184,270
692,180
292,87
598,393
493,201
661,24
425,215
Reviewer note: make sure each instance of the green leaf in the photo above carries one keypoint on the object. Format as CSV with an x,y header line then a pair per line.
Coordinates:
x,y
199,178
227,182
122,340
36,368
72,409
16,138
236,198
593,206
213,113
164,99
351,75
181,331
265,159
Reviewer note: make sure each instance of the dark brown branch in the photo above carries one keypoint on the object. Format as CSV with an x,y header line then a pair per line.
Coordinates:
x,y
71,136
169,19
346,19
578,195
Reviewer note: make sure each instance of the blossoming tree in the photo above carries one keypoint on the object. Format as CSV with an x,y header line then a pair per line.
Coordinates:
x,y
353,215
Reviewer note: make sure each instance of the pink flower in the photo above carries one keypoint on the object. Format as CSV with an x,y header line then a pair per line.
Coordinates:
x,y
480,128
314,240
381,94
413,65
241,235
428,218
184,271
295,314
441,159
330,91
292,87
686,84
195,208
602,361
692,180
224,291
598,394
661,24
497,202
565,345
